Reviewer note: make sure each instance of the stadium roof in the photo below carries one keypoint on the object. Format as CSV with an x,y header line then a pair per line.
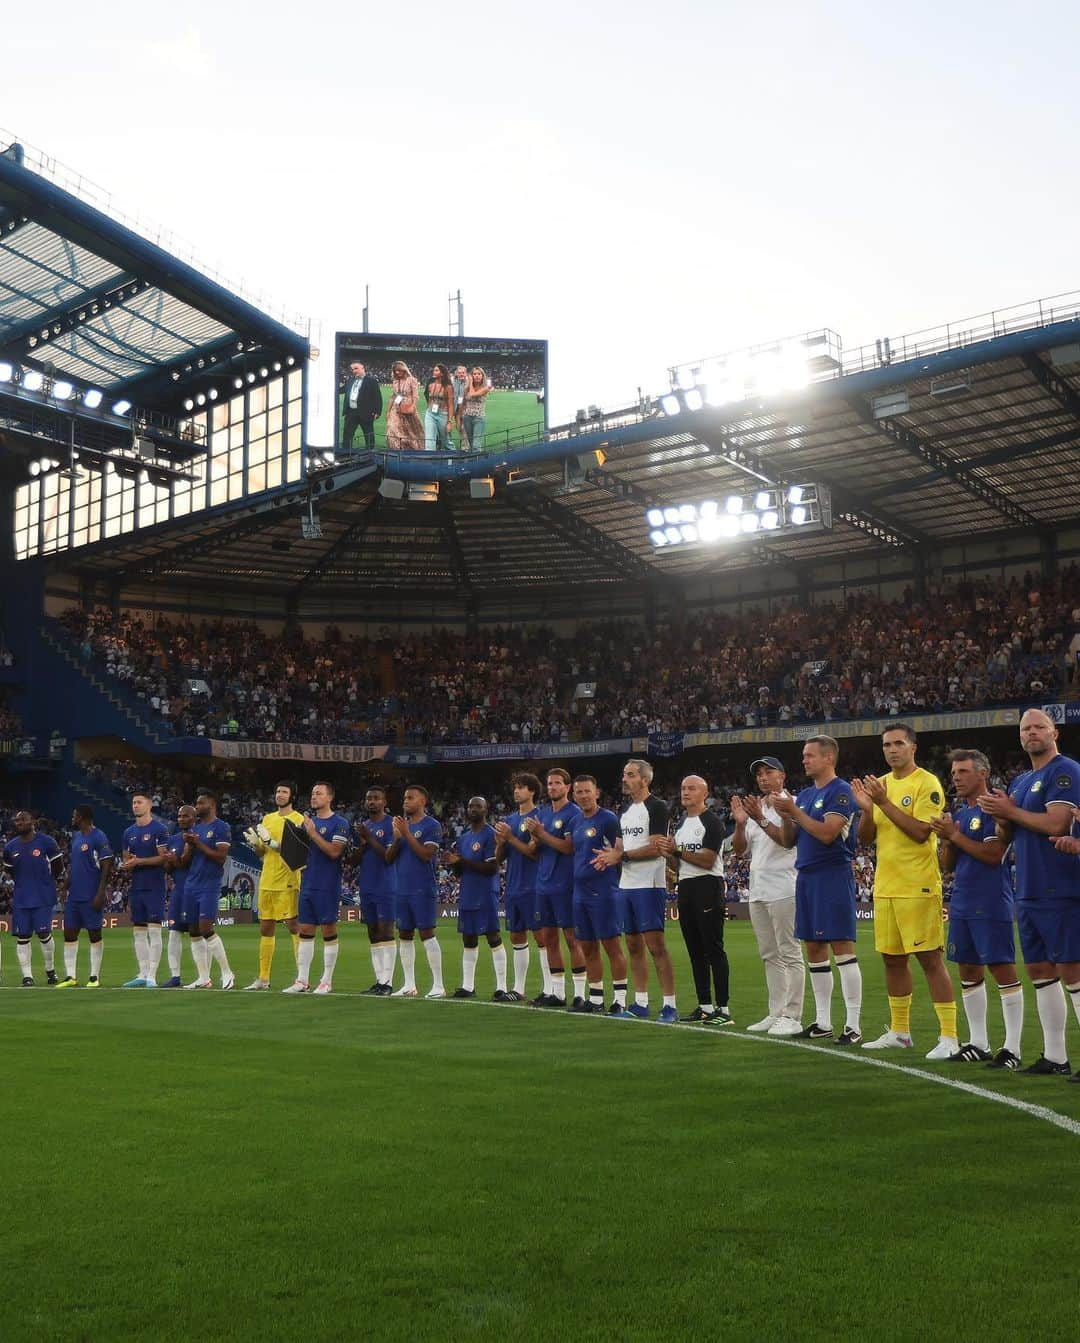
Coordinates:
x,y
984,439
86,298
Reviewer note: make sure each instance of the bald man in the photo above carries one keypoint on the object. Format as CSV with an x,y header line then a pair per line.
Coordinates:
x,y
1039,808
693,854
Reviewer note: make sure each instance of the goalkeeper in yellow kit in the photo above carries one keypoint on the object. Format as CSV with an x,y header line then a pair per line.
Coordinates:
x,y
279,885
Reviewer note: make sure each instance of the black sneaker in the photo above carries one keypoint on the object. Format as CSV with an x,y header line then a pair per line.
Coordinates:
x,y
542,1000
849,1038
500,996
51,977
464,993
815,1032
970,1053
374,991
721,1017
699,1014
581,1005
512,996
381,990
1042,1067
28,982
1005,1058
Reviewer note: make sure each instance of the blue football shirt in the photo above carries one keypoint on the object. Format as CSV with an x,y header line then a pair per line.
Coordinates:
x,y
179,875
416,877
520,871
377,876
979,891
476,887
601,830
30,863
1043,874
88,852
142,841
203,874
555,871
835,798
323,873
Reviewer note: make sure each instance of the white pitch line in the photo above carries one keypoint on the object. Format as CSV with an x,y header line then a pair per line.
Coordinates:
x,y
1042,1112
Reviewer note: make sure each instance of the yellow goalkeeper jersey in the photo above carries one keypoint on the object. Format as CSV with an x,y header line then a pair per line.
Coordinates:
x,y
905,869
277,875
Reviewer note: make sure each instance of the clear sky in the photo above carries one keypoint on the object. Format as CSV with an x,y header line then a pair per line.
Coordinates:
x,y
642,184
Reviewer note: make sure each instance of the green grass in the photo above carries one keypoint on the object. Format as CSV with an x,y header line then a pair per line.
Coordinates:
x,y
251,1166
513,412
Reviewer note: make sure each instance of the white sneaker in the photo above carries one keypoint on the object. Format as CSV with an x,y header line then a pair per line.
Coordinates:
x,y
435,993
890,1040
945,1048
229,983
322,989
298,987
785,1026
403,992
256,986
199,984
765,1024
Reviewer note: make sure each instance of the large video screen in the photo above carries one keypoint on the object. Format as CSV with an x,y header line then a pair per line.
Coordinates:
x,y
438,393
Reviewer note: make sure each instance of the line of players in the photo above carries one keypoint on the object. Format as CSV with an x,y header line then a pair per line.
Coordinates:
x,y
565,887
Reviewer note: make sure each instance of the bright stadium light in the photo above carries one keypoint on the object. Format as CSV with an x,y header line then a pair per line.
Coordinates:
x,y
671,513
729,526
709,529
674,536
770,520
689,532
92,398
688,513
795,494
33,380
669,404
34,468
658,537
121,407
188,403
763,499
708,509
749,522
63,390
200,400
213,393
251,377
655,517
733,504
799,515
238,383
693,399
7,372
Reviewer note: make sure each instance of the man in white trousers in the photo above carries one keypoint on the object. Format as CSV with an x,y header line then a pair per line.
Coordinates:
x,y
772,898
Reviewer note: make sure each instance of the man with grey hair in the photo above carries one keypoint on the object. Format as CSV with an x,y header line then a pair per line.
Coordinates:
x,y
643,883
759,829
980,932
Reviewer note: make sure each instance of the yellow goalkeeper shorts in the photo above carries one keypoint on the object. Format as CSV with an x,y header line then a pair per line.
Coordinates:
x,y
278,905
905,926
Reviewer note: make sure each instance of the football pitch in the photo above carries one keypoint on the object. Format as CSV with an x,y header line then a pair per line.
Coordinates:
x,y
253,1166
515,412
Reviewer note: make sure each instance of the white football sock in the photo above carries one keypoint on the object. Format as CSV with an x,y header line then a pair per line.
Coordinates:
x,y
201,956
407,956
851,988
216,947
97,950
618,991
1053,1014
469,956
304,957
596,993
974,996
329,959
176,953
1012,1009
22,950
389,960
821,981
580,978
1073,991
48,950
138,936
641,999
71,959
669,1000
521,967
498,956
153,950
545,970
434,957
377,960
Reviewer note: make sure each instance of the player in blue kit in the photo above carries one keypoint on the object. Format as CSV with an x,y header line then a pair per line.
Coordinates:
x,y
177,914
141,856
378,888
206,847
980,930
473,858
598,915
91,866
1040,806
320,889
34,861
816,824
551,827
517,846
414,852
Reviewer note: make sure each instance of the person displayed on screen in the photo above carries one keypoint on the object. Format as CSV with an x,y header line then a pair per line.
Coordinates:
x,y
404,432
362,406
461,383
473,410
439,394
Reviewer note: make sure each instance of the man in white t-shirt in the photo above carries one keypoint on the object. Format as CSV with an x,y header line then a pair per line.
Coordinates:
x,y
772,898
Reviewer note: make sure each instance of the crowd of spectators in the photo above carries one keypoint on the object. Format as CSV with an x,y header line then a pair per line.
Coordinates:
x,y
969,645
